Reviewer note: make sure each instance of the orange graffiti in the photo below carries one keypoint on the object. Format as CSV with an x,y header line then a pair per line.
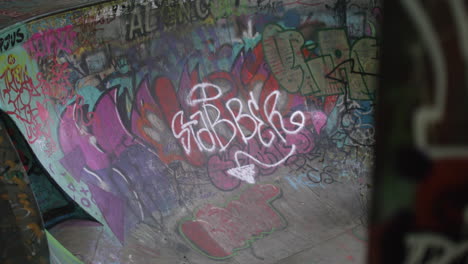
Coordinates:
x,y
21,184
36,230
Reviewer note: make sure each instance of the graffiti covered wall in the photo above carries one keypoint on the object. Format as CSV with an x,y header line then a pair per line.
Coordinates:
x,y
204,130
420,212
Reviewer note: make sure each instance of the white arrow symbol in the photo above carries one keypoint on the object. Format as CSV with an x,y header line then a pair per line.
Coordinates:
x,y
247,172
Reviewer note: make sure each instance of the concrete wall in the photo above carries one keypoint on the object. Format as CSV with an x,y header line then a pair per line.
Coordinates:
x,y
199,131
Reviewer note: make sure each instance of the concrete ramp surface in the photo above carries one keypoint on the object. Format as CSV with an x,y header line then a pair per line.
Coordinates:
x,y
195,131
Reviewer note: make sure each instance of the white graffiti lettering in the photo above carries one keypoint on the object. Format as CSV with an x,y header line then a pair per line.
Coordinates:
x,y
211,131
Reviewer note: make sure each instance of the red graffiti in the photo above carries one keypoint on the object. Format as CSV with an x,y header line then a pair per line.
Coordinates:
x,y
225,120
55,83
25,100
18,93
57,87
220,232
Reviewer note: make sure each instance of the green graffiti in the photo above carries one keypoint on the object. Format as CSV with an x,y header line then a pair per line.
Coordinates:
x,y
338,67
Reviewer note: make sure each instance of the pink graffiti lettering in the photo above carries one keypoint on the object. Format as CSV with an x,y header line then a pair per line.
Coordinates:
x,y
51,42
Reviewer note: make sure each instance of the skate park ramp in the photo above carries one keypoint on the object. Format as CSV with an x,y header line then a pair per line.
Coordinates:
x,y
12,12
196,131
